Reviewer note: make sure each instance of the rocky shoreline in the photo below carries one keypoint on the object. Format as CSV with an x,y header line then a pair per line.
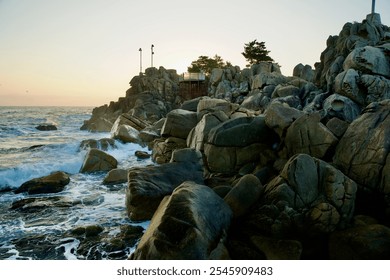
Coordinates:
x,y
265,166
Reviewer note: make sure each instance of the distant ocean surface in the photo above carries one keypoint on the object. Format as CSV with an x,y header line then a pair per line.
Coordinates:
x,y
27,153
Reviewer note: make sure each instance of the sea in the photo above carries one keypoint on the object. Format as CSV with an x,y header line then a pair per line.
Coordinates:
x,y
41,231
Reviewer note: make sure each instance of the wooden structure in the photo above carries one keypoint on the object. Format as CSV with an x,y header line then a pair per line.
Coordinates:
x,y
192,85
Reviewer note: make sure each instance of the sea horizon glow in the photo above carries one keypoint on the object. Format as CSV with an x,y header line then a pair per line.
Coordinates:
x,y
84,53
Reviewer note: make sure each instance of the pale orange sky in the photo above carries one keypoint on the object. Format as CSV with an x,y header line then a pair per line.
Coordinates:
x,y
57,52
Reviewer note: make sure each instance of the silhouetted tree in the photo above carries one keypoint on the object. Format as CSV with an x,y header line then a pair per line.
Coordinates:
x,y
205,64
255,52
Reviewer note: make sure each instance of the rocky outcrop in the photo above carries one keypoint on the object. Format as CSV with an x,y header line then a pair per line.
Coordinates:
x,y
189,224
309,197
151,96
97,160
52,183
147,186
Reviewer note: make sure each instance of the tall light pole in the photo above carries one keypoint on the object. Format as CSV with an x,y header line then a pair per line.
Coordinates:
x,y
140,60
152,53
373,7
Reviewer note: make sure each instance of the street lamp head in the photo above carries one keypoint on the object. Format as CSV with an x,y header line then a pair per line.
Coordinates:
x,y
140,49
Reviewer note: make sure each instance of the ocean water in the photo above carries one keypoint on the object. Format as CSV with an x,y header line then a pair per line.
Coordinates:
x,y
42,231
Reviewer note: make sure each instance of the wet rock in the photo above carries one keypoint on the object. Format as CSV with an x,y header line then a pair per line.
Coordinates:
x,y
236,142
52,183
369,242
46,127
189,224
41,203
97,160
147,186
101,144
115,176
142,155
88,231
179,123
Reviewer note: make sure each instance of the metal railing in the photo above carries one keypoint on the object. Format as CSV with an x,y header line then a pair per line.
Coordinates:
x,y
192,77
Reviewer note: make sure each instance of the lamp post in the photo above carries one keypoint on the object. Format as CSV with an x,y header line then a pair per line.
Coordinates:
x,y
140,60
373,7
152,53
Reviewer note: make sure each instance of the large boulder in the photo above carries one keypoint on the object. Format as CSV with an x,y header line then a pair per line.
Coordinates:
x,y
97,160
199,134
363,151
126,134
190,224
244,194
308,135
147,186
236,142
265,79
52,183
309,197
115,176
210,105
163,148
179,123
368,60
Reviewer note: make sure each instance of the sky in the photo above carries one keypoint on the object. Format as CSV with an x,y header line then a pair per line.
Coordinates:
x,y
84,53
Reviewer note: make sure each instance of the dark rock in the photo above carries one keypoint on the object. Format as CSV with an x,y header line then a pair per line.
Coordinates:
x,y
147,186
46,127
370,242
163,148
142,155
52,183
41,203
97,160
189,224
278,249
88,231
337,127
115,176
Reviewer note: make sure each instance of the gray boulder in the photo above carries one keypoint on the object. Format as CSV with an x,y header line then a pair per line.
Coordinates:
x,y
52,183
341,107
308,135
190,224
97,160
179,123
115,176
147,186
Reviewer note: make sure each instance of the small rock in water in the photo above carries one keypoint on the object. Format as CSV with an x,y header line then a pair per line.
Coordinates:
x,y
46,127
142,155
52,183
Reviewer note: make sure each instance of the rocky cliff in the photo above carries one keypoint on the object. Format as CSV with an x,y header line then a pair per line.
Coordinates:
x,y
302,161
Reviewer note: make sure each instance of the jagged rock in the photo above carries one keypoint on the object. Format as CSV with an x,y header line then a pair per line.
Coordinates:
x,y
265,79
236,142
32,204
46,127
285,90
189,224
347,84
192,105
147,186
216,76
278,249
210,105
368,242
163,148
115,176
377,88
309,197
199,134
242,196
368,60
126,134
97,160
179,123
52,183
101,144
363,151
308,135
280,116
341,107
255,101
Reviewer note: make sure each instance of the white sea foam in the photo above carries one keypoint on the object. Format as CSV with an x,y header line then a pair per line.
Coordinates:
x,y
70,247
